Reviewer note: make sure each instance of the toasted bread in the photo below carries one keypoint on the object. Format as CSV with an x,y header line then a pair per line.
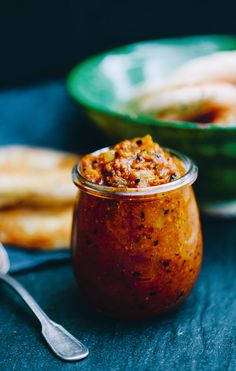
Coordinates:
x,y
36,228
205,102
216,67
34,176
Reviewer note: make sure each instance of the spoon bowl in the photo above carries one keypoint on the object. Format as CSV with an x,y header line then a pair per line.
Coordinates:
x,y
4,260
61,342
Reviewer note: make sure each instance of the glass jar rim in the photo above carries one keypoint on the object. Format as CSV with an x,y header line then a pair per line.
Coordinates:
x,y
191,173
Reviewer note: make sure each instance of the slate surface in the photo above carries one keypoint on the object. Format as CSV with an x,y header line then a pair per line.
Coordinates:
x,y
24,260
201,335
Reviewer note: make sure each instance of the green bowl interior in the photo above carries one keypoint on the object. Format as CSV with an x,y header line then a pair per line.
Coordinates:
x,y
104,83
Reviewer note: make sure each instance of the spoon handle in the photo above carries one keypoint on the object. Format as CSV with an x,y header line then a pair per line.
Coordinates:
x,y
63,344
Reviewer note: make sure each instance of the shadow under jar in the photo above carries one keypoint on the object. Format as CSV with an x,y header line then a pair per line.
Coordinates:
x,y
137,252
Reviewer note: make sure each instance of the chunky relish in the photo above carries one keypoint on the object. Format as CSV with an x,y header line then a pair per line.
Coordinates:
x,y
135,163
136,254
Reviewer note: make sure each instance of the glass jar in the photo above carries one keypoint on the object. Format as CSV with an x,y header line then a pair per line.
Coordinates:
x,y
137,252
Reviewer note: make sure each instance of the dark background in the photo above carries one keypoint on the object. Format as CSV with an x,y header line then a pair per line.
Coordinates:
x,y
41,40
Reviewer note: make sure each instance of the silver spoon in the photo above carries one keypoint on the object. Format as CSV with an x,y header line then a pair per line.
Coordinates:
x,y
63,344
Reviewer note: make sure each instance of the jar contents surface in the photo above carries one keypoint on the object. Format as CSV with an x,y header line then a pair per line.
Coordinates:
x,y
135,257
135,163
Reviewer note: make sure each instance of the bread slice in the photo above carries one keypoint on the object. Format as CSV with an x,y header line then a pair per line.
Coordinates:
x,y
36,228
35,176
205,102
216,67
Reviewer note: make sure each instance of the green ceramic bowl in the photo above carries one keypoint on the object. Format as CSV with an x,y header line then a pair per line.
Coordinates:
x,y
105,83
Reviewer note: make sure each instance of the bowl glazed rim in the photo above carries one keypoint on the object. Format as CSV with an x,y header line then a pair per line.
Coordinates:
x,y
74,77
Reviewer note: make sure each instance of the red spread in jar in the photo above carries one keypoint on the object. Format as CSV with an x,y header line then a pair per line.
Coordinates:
x,y
135,257
135,163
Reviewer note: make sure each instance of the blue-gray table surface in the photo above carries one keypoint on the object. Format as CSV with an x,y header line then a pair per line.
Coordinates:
x,y
201,335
